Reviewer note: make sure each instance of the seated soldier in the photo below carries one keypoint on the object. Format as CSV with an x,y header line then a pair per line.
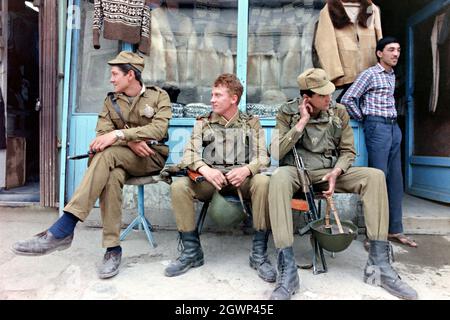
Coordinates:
x,y
131,115
234,152
319,130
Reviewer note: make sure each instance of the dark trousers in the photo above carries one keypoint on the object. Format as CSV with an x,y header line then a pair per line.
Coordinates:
x,y
383,141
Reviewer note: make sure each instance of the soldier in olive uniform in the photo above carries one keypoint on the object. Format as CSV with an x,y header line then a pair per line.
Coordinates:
x,y
234,152
131,115
319,130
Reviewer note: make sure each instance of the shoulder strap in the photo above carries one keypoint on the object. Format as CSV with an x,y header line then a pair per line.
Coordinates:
x,y
117,109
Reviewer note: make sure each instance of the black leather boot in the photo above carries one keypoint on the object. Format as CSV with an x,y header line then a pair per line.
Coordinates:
x,y
191,254
288,281
379,272
258,258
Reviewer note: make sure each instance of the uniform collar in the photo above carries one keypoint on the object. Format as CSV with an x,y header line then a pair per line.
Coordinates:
x,y
215,118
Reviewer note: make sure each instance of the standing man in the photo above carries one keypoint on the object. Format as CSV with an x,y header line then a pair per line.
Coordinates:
x,y
228,148
131,115
371,99
319,130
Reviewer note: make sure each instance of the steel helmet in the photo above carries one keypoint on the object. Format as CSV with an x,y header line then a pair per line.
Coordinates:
x,y
226,211
334,242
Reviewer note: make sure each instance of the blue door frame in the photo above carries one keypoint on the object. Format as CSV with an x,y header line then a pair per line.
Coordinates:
x,y
427,177
79,128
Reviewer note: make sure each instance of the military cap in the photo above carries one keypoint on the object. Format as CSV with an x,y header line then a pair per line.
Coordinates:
x,y
316,80
129,57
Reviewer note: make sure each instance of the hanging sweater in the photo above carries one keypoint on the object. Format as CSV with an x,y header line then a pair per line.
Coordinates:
x,y
126,20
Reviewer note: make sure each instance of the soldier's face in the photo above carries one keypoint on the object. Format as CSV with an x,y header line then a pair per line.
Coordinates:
x,y
119,80
222,102
320,102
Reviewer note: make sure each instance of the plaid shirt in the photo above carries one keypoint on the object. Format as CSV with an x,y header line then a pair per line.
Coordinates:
x,y
372,94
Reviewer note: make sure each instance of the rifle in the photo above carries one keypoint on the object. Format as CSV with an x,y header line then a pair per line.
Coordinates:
x,y
312,213
90,152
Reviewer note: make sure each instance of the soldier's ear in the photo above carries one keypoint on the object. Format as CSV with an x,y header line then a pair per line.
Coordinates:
x,y
234,98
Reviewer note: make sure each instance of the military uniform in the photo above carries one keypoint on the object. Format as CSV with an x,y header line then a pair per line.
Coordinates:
x,y
147,116
325,143
227,144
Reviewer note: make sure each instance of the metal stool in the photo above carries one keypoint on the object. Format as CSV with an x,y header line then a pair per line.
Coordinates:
x,y
202,216
141,222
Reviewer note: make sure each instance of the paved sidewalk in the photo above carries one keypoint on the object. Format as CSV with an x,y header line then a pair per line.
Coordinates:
x,y
71,274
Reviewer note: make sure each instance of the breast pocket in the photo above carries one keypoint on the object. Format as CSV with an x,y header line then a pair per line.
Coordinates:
x,y
146,114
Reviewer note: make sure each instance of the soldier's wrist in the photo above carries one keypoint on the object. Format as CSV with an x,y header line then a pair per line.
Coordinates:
x,y
119,134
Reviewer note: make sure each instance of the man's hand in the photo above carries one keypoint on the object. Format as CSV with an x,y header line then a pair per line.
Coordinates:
x,y
305,109
331,178
141,148
213,176
237,175
101,142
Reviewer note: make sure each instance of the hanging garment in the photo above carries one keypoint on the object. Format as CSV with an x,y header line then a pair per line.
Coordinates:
x,y
435,35
161,64
126,20
185,42
346,48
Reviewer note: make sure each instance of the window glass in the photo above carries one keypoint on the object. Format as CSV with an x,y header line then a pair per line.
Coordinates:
x,y
280,45
93,71
192,42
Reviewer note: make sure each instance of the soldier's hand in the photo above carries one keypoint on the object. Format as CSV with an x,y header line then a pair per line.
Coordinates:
x,y
237,175
331,178
102,142
213,176
141,148
305,109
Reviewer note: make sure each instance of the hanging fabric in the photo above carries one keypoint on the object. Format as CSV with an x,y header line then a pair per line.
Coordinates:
x,y
126,20
435,35
346,38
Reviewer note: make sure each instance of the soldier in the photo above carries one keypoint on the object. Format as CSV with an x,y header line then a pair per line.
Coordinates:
x,y
131,115
319,130
226,166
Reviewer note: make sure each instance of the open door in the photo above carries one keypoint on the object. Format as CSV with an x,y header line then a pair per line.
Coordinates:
x,y
29,96
428,92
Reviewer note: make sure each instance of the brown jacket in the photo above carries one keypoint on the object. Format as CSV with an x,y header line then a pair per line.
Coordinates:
x,y
344,53
217,143
147,117
326,142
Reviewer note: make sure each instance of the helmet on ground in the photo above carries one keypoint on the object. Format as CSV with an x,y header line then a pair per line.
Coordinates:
x,y
334,242
225,211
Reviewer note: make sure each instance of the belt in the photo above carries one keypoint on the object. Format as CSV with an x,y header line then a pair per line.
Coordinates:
x,y
381,119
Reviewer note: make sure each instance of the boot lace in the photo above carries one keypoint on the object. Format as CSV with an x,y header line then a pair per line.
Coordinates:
x,y
180,246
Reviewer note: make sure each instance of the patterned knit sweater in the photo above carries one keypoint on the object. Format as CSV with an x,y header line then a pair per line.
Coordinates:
x,y
126,20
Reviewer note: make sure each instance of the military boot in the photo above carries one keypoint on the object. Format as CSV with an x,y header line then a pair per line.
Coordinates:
x,y
379,272
258,258
191,254
288,281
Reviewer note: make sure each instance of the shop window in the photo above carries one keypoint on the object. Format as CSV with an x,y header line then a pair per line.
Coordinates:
x,y
93,73
280,42
192,42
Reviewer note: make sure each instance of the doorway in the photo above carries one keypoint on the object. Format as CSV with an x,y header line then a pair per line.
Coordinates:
x,y
20,94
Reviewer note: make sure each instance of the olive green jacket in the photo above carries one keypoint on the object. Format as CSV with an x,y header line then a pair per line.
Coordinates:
x,y
325,142
147,117
219,143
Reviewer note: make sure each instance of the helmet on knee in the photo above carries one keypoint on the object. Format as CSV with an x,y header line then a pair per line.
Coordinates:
x,y
225,211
